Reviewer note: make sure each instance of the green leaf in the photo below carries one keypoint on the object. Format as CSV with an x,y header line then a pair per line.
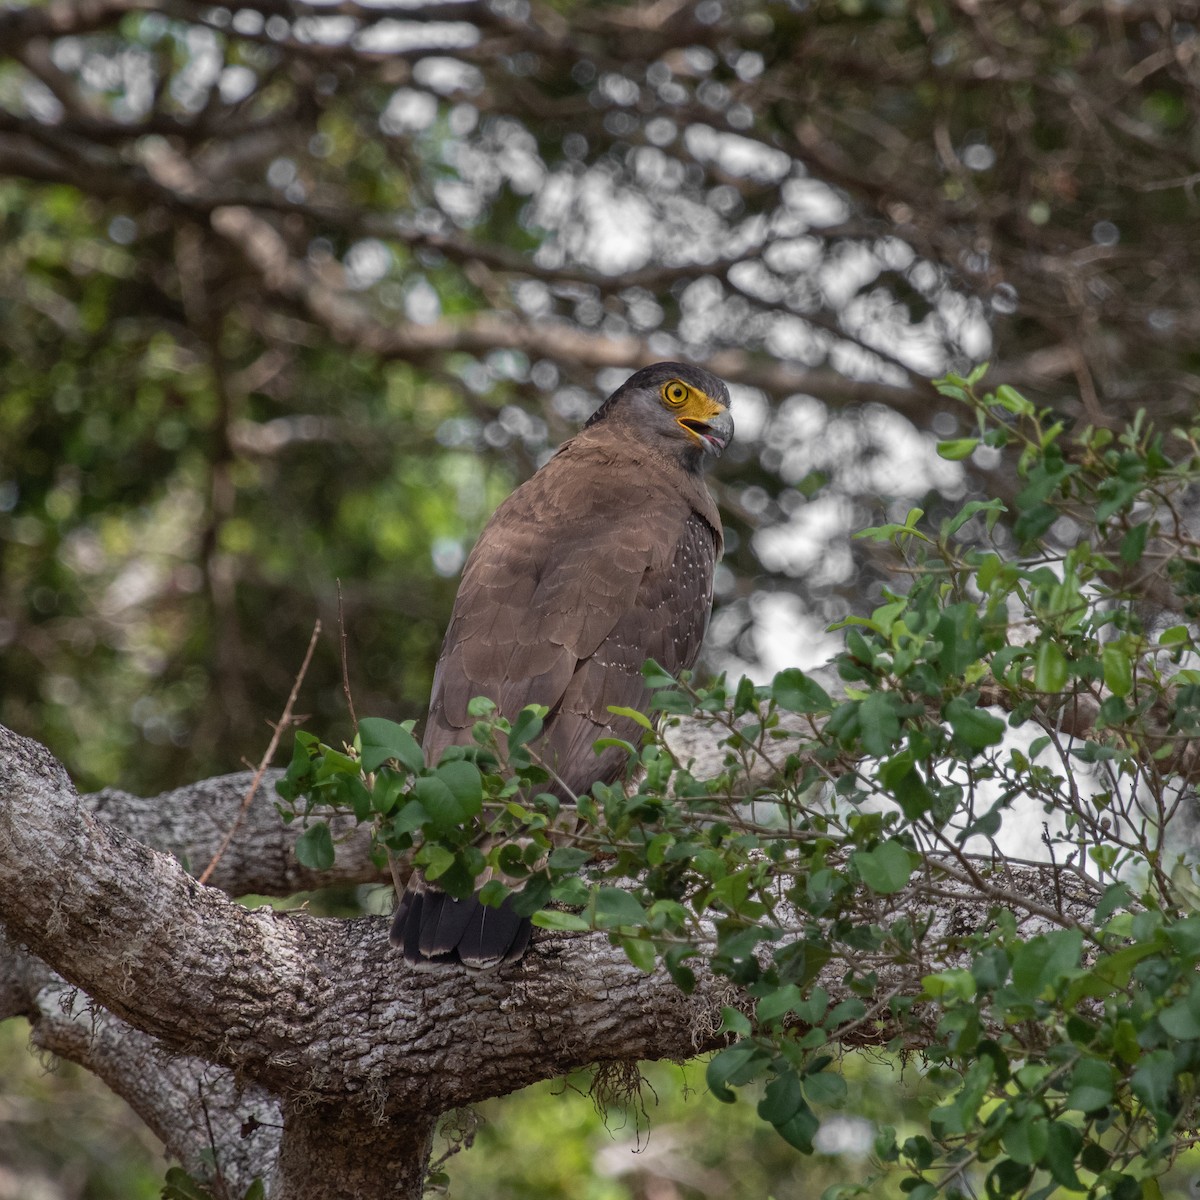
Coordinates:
x,y
782,1099
1049,668
973,727
572,891
977,1082
527,726
615,907
732,1067
464,782
1109,973
886,868
1026,1140
435,860
656,848
638,718
672,701
451,795
800,1130
1091,1086
878,723
382,740
1034,521
956,983
796,692
656,677
1118,669
1185,936
1044,961
409,819
1133,544
1116,895
957,633
555,918
256,1191
896,532
901,777
1152,1082
640,952
568,858
1063,1143
956,449
1012,401
950,386
993,509
314,847
388,791
777,1003
494,892
604,743
825,1087
1181,1020
349,791
734,1021
333,763
300,772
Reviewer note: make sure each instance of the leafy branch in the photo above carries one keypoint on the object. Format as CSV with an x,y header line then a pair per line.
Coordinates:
x,y
1019,680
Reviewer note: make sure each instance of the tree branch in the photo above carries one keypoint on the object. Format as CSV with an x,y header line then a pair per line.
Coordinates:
x,y
193,1107
190,822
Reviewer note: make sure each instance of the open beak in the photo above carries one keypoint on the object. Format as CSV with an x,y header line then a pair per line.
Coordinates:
x,y
715,432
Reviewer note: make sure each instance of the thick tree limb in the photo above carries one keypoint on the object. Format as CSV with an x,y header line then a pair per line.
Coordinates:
x,y
190,822
297,1004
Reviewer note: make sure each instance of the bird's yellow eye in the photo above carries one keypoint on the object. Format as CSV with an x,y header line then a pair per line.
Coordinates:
x,y
675,392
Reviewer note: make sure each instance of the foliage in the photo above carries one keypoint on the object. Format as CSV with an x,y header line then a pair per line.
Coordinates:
x,y
674,1135
1020,672
451,234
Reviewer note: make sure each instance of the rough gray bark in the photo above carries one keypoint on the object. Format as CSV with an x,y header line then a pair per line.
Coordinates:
x,y
315,1019
204,1014
189,1104
190,823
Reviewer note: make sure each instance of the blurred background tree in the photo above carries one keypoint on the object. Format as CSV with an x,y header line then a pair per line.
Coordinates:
x,y
291,294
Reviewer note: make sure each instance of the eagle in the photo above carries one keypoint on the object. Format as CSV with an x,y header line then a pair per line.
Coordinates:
x,y
603,559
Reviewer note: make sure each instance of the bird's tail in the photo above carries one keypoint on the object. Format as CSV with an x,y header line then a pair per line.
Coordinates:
x,y
432,929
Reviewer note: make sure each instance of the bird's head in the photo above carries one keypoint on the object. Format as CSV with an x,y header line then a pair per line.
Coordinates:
x,y
685,408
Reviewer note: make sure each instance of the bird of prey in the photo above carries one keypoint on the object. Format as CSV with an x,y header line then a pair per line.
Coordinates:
x,y
600,561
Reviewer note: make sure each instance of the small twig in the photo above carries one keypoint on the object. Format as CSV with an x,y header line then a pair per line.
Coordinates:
x,y
345,669
218,1174
284,721
1048,842
399,881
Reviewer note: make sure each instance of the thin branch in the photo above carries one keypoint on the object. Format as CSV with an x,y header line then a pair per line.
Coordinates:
x,y
345,664
283,723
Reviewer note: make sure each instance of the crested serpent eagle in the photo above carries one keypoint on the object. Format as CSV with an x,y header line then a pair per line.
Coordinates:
x,y
603,559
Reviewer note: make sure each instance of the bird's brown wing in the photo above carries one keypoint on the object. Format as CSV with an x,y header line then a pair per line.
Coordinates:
x,y
564,598
666,621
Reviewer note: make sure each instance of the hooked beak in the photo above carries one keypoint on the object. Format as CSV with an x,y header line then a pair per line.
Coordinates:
x,y
714,432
